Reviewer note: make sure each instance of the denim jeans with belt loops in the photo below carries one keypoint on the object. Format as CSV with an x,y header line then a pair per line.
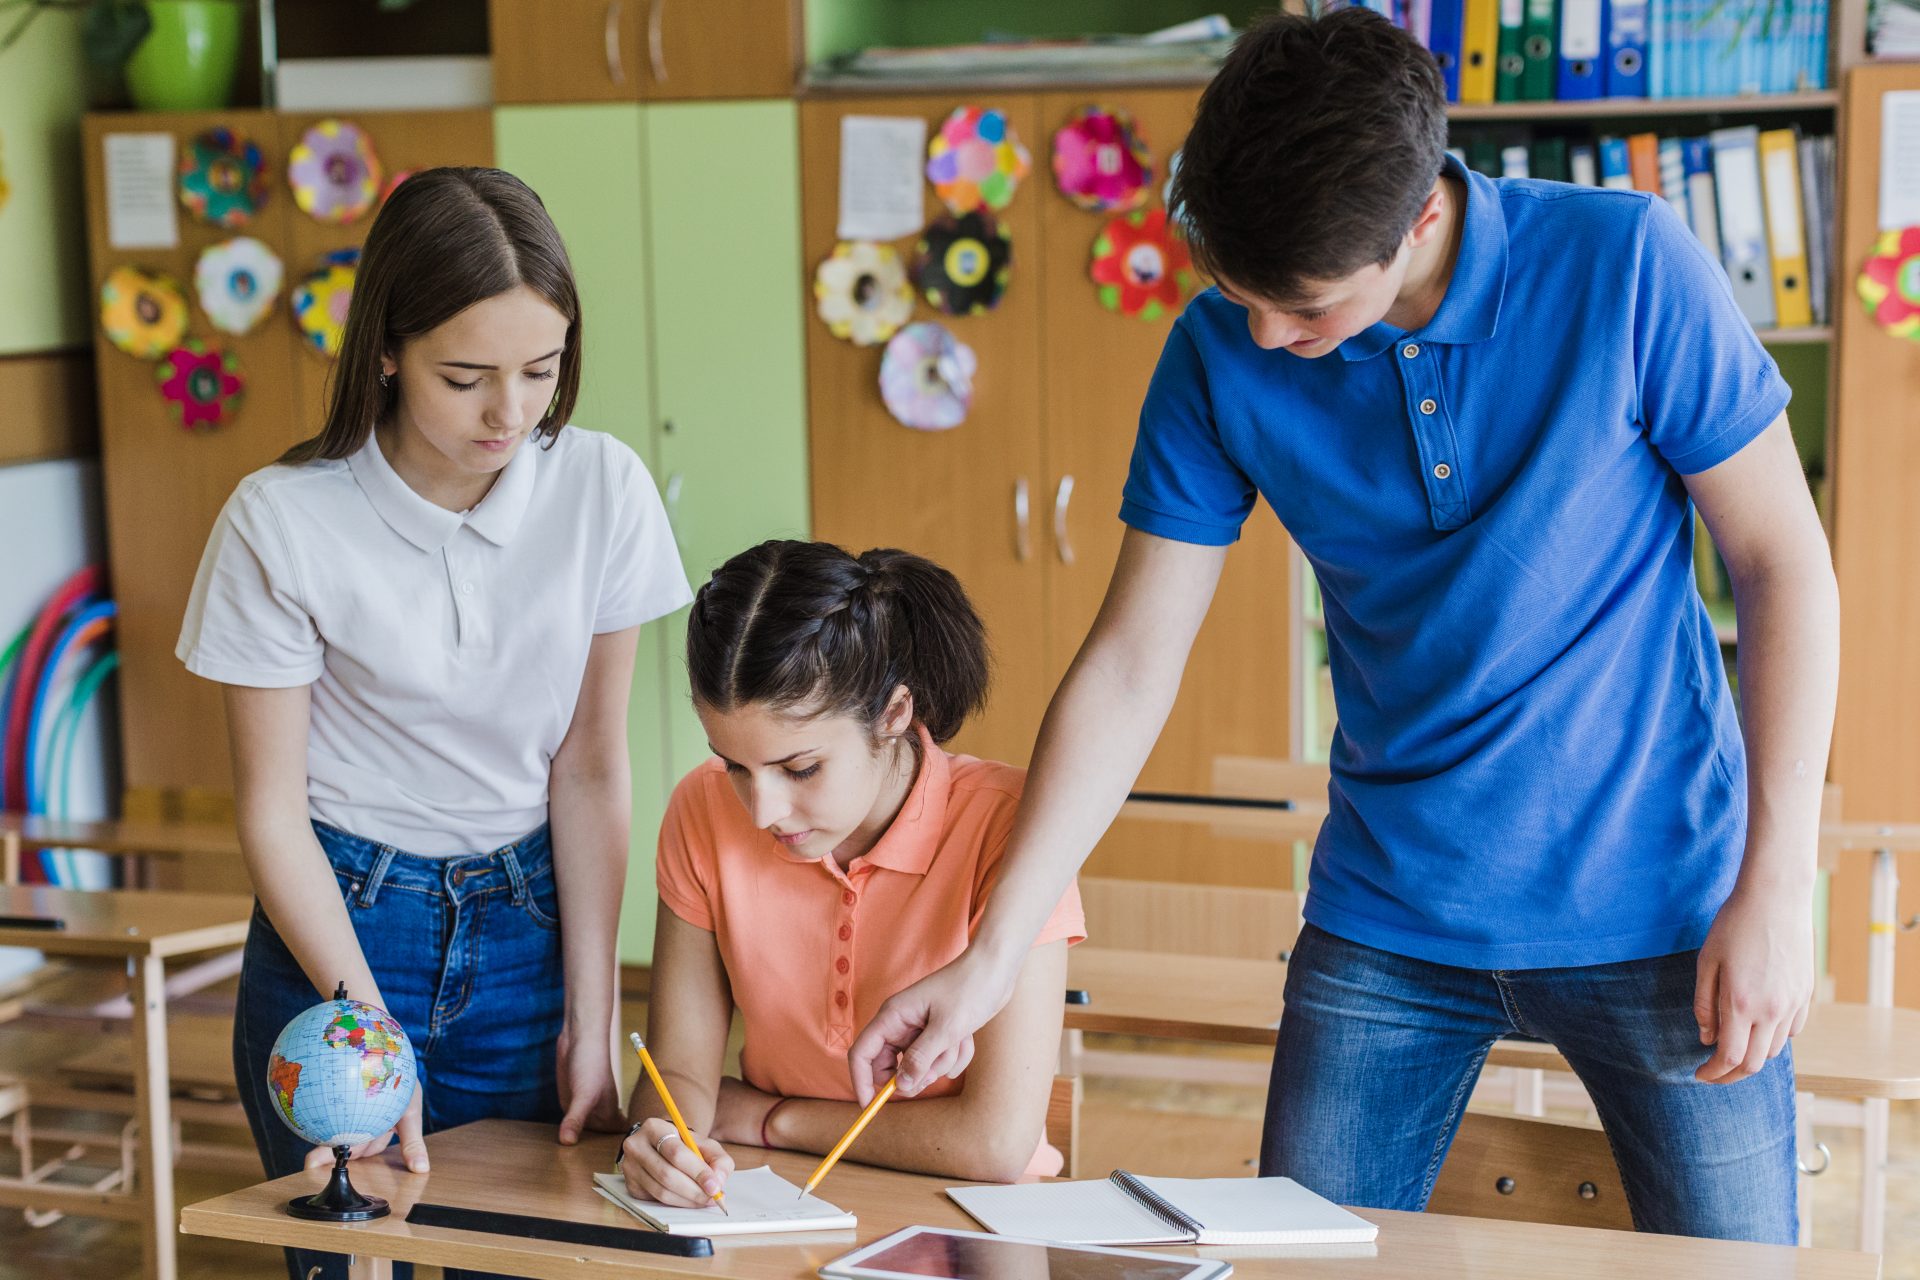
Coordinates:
x,y
467,954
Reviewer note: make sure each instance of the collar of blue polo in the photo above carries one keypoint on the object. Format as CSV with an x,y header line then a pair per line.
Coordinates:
x,y
1470,311
429,526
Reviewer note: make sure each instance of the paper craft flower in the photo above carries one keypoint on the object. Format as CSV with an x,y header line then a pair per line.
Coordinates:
x,y
861,292
143,312
975,159
926,377
393,183
321,298
1889,283
1100,161
203,384
223,178
334,173
961,264
1141,265
238,281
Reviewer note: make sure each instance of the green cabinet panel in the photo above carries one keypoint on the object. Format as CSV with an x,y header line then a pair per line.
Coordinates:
x,y
43,226
723,224
586,163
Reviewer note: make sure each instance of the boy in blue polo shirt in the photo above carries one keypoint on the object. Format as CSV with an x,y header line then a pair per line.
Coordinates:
x,y
1486,411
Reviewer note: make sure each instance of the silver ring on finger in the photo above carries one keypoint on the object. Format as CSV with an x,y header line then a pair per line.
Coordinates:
x,y
664,1139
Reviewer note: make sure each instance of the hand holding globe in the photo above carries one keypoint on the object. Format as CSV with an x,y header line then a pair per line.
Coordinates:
x,y
342,1075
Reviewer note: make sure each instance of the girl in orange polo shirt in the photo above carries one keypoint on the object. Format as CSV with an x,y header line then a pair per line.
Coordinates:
x,y
831,854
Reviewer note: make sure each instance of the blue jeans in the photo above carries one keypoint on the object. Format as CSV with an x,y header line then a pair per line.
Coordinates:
x,y
467,954
1378,1054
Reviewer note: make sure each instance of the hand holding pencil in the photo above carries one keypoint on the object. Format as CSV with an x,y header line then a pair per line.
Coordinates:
x,y
687,1172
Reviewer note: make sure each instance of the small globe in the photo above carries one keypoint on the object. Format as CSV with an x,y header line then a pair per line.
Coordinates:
x,y
341,1073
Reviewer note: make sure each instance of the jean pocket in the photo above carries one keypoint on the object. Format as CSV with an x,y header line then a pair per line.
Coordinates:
x,y
543,898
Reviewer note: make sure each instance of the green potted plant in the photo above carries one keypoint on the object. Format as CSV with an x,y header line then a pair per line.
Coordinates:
x,y
179,55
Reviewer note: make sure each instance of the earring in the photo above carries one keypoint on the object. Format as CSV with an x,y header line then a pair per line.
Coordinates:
x,y
386,379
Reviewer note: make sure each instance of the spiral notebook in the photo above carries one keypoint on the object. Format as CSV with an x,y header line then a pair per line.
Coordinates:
x,y
1127,1209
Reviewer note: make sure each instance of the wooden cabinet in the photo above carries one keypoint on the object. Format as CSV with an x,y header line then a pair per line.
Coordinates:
x,y
163,486
1056,401
634,50
682,224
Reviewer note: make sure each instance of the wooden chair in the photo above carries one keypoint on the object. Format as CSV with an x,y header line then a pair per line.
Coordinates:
x,y
1063,1122
1525,1169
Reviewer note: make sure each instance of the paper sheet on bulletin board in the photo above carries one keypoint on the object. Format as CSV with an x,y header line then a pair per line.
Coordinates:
x,y
880,161
141,213
1900,159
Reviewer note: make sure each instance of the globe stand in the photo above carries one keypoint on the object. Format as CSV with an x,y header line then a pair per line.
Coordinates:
x,y
338,1202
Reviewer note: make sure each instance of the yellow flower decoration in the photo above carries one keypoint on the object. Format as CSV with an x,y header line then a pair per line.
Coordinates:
x,y
143,312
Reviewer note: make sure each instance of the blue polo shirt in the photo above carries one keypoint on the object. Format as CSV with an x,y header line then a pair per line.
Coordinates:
x,y
1537,762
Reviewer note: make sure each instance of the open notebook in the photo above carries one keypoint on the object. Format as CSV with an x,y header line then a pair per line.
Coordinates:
x,y
1127,1209
758,1200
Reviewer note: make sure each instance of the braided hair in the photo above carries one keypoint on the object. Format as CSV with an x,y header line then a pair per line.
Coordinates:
x,y
807,626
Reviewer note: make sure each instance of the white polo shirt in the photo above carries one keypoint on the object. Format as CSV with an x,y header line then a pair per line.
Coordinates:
x,y
445,649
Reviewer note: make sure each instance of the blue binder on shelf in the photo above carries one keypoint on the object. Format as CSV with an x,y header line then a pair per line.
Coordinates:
x,y
1626,49
1582,26
1443,39
1616,170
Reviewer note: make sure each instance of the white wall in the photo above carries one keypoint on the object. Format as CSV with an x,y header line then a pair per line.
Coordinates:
x,y
50,526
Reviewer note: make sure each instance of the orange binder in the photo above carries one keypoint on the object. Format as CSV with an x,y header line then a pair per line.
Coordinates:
x,y
1643,161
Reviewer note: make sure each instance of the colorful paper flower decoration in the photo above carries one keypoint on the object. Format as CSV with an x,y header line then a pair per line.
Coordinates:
x,y
1141,265
1889,283
143,312
1100,161
926,377
393,184
203,385
861,292
961,264
975,159
321,298
223,178
238,281
334,173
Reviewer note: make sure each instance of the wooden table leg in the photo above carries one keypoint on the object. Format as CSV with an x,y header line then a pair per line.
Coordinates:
x,y
152,1089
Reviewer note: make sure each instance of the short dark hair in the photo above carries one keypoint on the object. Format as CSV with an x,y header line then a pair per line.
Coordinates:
x,y
808,627
1311,152
445,239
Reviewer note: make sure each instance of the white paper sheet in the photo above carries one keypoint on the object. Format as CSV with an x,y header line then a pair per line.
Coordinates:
x,y
1900,159
758,1200
880,176
141,210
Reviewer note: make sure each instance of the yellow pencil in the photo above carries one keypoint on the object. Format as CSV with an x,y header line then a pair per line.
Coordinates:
x,y
673,1112
846,1140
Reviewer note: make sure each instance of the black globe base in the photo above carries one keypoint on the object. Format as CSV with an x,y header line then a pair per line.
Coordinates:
x,y
338,1201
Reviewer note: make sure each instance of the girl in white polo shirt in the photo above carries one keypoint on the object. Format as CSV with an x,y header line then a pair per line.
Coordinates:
x,y
424,619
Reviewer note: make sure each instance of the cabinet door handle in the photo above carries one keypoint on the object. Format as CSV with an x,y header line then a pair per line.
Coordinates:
x,y
1061,541
671,500
616,70
656,44
1022,522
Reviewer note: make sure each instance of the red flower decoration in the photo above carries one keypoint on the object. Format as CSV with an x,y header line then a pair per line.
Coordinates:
x,y
1141,265
1889,282
204,385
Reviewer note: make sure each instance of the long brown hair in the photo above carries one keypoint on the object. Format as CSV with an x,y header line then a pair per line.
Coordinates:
x,y
445,239
804,626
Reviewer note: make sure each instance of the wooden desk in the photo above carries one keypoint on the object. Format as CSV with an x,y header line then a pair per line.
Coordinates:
x,y
1845,1051
519,1168
141,928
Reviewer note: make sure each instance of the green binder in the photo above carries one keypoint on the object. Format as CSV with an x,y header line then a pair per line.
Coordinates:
x,y
1508,62
1537,49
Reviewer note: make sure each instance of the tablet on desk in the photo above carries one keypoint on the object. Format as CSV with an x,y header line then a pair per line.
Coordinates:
x,y
938,1253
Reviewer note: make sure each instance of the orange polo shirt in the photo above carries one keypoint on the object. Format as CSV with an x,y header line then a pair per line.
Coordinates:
x,y
811,951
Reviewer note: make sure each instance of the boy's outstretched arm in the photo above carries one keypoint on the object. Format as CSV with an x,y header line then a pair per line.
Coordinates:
x,y
1756,968
1098,731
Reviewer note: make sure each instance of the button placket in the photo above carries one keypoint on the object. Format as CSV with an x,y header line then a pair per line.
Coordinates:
x,y
1433,438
